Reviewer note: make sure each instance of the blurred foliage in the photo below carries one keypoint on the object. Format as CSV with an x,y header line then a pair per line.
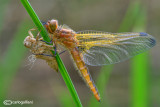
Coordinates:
x,y
13,56
65,99
130,16
3,6
140,68
134,20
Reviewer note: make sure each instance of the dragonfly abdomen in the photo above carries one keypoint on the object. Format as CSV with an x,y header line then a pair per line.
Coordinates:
x,y
84,72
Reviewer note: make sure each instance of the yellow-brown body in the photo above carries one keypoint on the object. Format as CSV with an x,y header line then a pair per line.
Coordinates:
x,y
78,59
67,38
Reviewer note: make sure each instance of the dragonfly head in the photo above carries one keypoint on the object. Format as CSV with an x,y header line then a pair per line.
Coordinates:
x,y
28,41
51,25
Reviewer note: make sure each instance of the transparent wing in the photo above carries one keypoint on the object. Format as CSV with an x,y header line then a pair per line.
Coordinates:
x,y
102,48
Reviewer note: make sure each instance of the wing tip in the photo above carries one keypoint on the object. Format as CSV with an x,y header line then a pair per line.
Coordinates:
x,y
153,41
143,34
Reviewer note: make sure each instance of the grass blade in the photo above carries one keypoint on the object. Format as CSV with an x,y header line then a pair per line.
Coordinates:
x,y
62,69
35,19
140,69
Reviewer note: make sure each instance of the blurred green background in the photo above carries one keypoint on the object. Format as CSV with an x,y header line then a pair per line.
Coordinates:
x,y
133,83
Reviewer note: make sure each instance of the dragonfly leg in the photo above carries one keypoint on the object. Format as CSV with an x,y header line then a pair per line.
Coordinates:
x,y
51,42
55,50
44,55
62,52
30,32
51,55
37,37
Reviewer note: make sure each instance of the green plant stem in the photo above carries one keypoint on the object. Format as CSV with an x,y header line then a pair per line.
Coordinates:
x,y
140,69
67,80
36,20
61,66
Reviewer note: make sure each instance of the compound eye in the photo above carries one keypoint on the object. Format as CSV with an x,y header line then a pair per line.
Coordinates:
x,y
52,25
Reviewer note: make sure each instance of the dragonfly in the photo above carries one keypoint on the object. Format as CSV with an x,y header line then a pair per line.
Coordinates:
x,y
97,48
40,49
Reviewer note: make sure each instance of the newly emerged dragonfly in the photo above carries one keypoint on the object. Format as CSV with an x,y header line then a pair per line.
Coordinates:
x,y
97,48
40,49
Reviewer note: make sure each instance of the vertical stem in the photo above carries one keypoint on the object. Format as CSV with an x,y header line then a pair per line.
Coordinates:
x,y
35,19
140,69
61,66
